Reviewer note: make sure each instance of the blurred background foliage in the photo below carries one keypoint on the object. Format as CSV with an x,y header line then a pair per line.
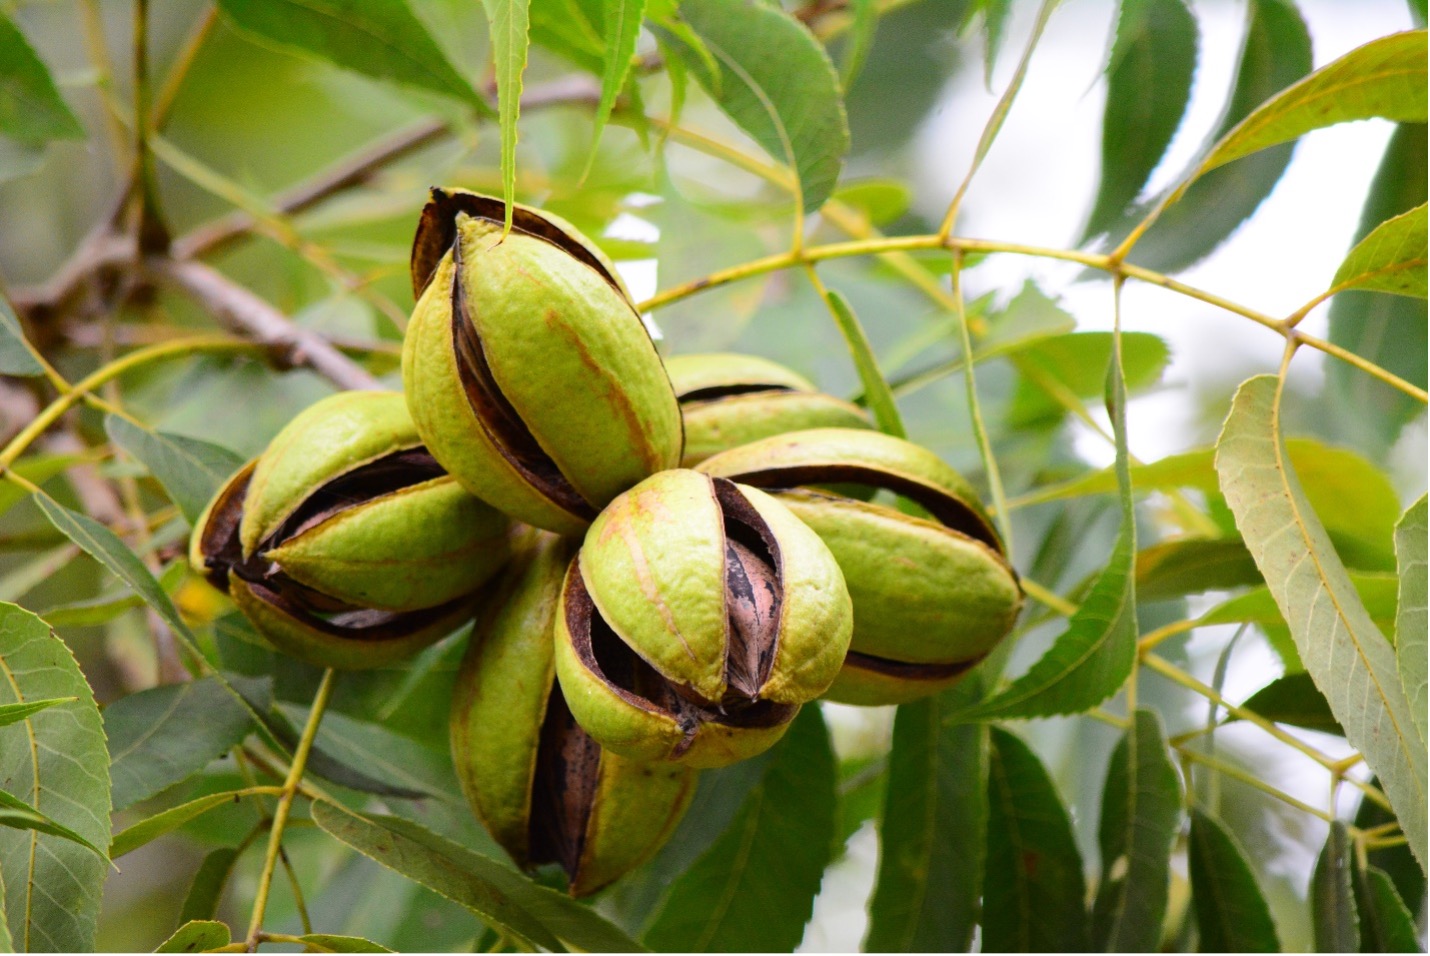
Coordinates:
x,y
245,122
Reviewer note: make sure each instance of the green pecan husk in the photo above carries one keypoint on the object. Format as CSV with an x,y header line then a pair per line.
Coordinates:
x,y
528,372
543,788
730,400
345,543
697,618
933,591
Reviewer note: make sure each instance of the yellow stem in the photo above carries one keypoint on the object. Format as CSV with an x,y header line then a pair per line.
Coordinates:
x,y
1048,599
1241,776
51,413
285,804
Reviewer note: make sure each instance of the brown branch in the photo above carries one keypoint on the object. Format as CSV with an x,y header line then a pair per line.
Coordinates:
x,y
253,317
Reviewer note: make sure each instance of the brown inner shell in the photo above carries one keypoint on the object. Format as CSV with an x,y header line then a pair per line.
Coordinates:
x,y
602,652
568,765
712,393
905,671
945,508
501,422
223,551
754,595
437,233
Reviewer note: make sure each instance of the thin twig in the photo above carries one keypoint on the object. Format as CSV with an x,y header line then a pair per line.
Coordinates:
x,y
250,315
285,805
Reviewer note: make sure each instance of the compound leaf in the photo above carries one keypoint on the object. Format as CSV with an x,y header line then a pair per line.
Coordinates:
x,y
1410,615
1385,77
1347,656
1232,915
190,470
381,40
165,735
1335,921
772,78
55,762
1141,806
1391,259
931,833
1033,889
1149,82
754,888
31,108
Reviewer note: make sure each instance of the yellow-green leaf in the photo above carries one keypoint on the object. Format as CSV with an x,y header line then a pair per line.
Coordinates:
x,y
1385,77
31,108
132,838
509,21
196,936
1347,656
1410,614
384,40
622,29
1141,807
1391,259
55,762
775,81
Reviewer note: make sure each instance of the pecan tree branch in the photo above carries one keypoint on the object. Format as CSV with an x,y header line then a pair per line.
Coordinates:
x,y
257,319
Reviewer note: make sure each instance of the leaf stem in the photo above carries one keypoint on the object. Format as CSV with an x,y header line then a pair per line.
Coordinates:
x,y
975,413
1047,598
51,413
285,804
995,119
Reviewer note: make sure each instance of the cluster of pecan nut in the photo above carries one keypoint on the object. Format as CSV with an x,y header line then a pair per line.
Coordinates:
x,y
664,560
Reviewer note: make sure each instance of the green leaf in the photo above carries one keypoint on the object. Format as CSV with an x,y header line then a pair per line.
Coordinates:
x,y
1149,82
14,713
16,356
1329,476
105,547
31,108
509,22
196,936
7,943
1391,259
1276,52
932,833
754,888
1232,915
56,762
1346,655
500,896
1386,925
1141,807
1410,616
876,388
1033,888
861,38
1334,919
206,890
191,471
1182,566
1385,77
382,40
132,838
1386,329
1295,700
622,29
343,944
1092,659
335,769
776,82
1055,371
165,735
1395,860
19,815
881,201
37,469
